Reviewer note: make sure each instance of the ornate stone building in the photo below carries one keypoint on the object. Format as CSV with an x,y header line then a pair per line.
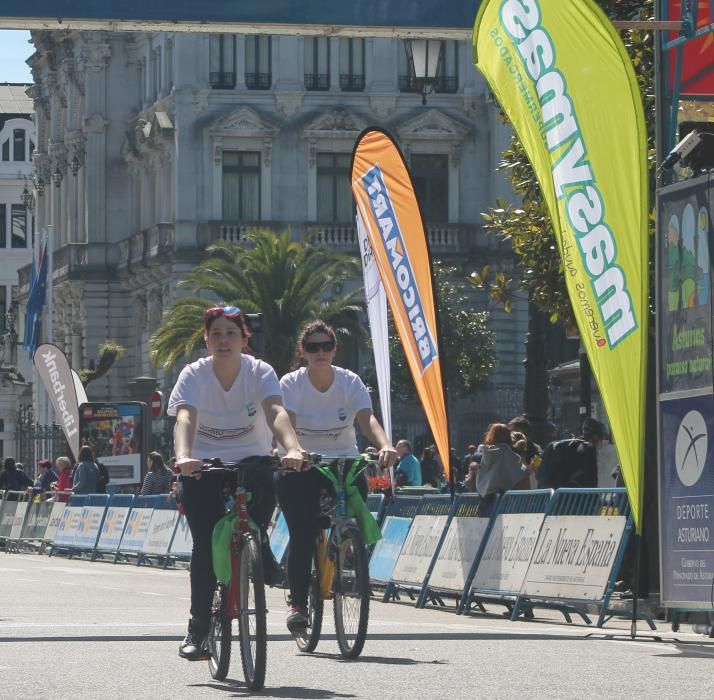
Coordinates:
x,y
152,146
17,142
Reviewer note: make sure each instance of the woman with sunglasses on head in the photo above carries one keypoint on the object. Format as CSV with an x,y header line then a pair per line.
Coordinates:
x,y
323,402
227,405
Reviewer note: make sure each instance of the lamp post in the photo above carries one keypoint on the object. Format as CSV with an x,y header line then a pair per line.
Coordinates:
x,y
26,196
424,56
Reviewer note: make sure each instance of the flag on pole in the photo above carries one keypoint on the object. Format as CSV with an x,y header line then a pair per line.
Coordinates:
x,y
35,302
563,77
385,198
377,314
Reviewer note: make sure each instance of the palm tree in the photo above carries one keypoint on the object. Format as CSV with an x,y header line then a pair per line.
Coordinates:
x,y
288,282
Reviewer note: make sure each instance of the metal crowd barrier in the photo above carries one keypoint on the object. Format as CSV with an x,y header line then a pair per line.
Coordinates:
x,y
416,557
578,554
395,528
455,555
500,565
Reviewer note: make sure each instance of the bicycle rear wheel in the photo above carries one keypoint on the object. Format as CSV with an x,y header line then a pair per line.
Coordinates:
x,y
351,587
315,609
219,635
251,620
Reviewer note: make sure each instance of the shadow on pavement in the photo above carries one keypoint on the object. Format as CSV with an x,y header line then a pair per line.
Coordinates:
x,y
240,689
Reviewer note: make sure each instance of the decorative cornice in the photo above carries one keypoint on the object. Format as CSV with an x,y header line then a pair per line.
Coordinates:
x,y
244,122
337,123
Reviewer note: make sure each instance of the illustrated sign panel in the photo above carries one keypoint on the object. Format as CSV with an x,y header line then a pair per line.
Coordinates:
x,y
386,551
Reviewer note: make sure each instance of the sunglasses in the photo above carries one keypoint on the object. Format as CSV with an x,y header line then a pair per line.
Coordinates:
x,y
325,346
218,311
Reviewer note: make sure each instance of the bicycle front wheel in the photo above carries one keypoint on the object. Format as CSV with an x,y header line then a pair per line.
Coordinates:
x,y
251,620
219,635
315,608
351,587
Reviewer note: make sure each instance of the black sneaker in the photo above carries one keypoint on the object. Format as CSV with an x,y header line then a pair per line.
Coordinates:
x,y
193,647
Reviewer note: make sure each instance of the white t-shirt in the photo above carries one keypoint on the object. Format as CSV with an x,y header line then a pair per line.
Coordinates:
x,y
325,420
231,424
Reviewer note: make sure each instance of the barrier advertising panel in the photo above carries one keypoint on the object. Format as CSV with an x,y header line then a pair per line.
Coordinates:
x,y
279,538
136,528
114,521
55,520
182,543
386,552
90,522
67,529
7,518
507,554
18,520
418,549
574,556
161,529
456,555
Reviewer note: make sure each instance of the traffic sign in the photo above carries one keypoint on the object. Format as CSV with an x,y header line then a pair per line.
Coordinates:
x,y
157,404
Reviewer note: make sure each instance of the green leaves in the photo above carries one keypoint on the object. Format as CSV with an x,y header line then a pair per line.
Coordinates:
x,y
289,282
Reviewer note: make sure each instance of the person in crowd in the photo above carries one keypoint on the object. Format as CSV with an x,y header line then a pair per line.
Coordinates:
x,y
324,402
533,451
471,455
158,478
573,462
227,405
519,443
45,477
408,469
86,473
12,478
471,475
501,468
64,478
430,468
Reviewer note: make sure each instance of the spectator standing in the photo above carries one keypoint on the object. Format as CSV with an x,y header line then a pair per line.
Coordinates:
x,y
86,473
501,468
158,478
521,424
471,475
409,465
12,478
573,462
471,455
64,478
45,477
430,468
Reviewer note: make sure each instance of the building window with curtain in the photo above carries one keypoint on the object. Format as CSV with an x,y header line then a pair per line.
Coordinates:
x,y
241,186
258,74
317,63
334,196
18,144
18,226
222,59
430,174
447,79
352,65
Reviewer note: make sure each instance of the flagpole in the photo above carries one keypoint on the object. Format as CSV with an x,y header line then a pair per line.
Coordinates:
x,y
49,298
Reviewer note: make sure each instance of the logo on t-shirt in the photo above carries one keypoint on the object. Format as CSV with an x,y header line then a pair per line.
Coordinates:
x,y
341,413
209,433
325,435
250,407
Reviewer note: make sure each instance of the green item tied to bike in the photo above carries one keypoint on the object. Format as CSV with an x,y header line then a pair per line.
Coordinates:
x,y
356,507
221,547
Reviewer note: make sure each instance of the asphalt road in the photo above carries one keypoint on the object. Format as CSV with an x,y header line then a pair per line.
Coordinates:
x,y
75,629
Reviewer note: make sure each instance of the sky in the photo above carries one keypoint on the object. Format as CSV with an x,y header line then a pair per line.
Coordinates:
x,y
14,49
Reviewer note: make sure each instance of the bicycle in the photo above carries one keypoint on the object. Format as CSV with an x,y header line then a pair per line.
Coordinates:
x,y
340,567
244,598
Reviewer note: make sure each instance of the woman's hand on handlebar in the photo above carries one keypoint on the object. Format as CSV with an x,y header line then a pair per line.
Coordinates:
x,y
188,466
388,456
293,459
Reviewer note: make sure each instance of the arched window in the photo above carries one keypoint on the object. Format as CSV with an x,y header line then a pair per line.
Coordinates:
x,y
18,144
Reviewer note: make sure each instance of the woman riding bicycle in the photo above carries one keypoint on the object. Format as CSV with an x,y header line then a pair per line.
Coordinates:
x,y
227,405
323,402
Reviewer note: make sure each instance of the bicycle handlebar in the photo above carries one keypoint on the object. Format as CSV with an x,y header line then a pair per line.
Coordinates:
x,y
316,458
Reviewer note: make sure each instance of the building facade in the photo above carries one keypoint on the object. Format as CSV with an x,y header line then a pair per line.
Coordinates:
x,y
17,143
150,147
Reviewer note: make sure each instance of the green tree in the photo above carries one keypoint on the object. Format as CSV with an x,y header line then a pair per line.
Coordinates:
x,y
288,282
109,353
528,226
469,348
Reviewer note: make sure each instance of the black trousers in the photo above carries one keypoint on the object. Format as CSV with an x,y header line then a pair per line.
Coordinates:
x,y
204,504
299,498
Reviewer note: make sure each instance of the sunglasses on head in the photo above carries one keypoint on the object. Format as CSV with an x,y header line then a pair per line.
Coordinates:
x,y
324,345
218,311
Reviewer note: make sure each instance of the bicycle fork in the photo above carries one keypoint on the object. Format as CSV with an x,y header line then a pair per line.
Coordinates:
x,y
240,527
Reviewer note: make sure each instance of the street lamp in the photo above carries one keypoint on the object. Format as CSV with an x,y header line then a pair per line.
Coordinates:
x,y
40,186
26,195
424,56
57,176
75,164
